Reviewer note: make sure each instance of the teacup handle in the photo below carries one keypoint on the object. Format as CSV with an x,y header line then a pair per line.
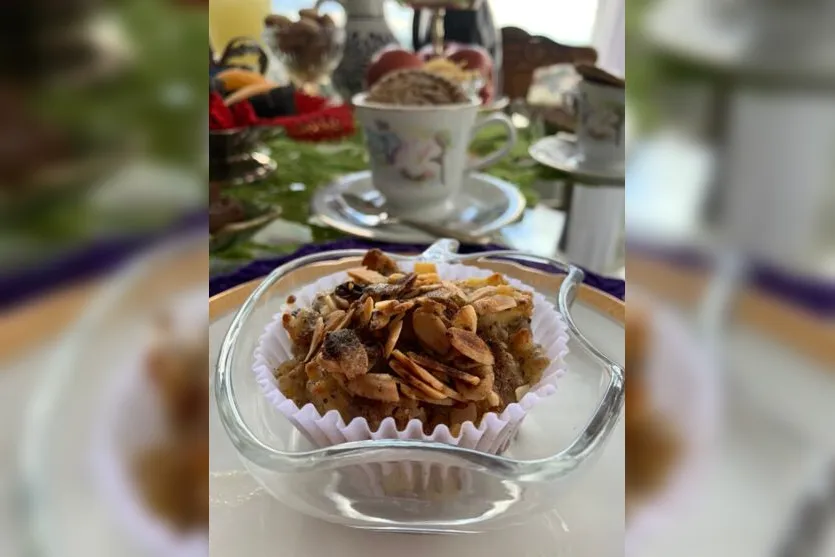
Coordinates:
x,y
501,152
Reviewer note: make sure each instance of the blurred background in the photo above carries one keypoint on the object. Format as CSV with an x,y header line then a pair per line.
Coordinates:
x,y
730,210
103,160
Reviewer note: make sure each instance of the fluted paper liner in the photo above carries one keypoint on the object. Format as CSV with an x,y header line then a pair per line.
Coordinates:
x,y
133,420
492,435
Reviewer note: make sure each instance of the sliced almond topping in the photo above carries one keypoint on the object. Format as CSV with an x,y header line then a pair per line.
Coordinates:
x,y
343,353
428,278
416,394
494,304
522,391
364,312
316,339
345,320
376,386
456,291
482,293
333,320
431,331
413,381
470,345
394,334
466,319
480,391
395,277
402,308
378,320
417,370
496,279
424,267
341,303
361,275
431,306
451,372
493,399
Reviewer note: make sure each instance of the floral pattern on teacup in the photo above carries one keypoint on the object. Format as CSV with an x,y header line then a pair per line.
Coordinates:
x,y
604,122
418,159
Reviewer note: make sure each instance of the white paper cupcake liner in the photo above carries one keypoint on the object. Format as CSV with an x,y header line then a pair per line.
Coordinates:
x,y
132,419
493,434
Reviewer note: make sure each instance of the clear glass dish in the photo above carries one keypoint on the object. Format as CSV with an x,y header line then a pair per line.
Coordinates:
x,y
413,486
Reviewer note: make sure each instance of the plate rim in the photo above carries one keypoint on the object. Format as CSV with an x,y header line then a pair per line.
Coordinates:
x,y
517,203
597,176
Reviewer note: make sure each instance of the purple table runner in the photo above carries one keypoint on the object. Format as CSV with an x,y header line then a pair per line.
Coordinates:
x,y
263,267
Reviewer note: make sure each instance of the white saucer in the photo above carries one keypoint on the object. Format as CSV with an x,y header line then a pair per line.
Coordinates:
x,y
560,152
484,205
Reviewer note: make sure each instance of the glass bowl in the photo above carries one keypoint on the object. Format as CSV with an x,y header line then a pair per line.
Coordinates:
x,y
415,486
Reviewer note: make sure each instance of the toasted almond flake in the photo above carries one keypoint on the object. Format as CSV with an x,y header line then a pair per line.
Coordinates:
x,y
417,370
345,320
416,394
341,303
424,267
482,293
375,386
522,391
394,334
386,307
431,331
343,353
455,289
366,307
470,345
334,319
428,278
480,391
329,301
493,304
395,277
361,275
466,319
402,308
493,399
431,306
413,381
316,339
444,369
378,320
496,279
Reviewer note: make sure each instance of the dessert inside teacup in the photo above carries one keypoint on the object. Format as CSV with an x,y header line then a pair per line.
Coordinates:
x,y
413,344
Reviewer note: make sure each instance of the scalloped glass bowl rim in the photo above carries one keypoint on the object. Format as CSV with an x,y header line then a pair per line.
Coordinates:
x,y
593,437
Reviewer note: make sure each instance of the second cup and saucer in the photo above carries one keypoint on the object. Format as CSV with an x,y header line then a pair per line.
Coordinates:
x,y
597,151
422,175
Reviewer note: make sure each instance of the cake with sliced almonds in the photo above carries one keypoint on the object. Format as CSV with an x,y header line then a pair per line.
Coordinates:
x,y
412,345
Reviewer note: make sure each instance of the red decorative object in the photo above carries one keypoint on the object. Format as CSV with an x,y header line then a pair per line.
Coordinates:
x,y
314,121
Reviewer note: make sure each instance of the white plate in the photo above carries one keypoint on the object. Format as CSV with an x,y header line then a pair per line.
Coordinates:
x,y
560,152
587,522
484,205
